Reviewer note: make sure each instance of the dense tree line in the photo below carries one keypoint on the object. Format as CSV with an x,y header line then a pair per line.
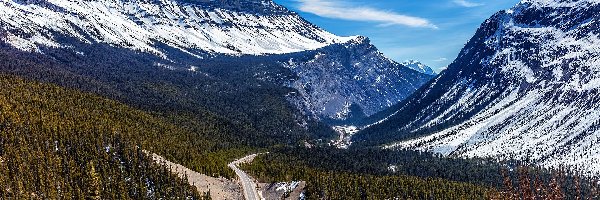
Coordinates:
x,y
376,161
333,172
64,144
335,184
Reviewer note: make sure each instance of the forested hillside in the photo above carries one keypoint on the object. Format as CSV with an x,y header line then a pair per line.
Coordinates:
x,y
342,174
194,63
212,138
62,143
243,96
384,174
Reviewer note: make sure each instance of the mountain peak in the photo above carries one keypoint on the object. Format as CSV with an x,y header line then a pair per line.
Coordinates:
x,y
360,39
418,66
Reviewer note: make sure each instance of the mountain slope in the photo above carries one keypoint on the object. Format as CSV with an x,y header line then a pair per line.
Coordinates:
x,y
195,27
180,59
524,87
128,47
191,85
348,81
58,143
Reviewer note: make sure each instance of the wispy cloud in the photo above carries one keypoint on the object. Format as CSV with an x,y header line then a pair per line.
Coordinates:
x,y
466,3
441,60
337,10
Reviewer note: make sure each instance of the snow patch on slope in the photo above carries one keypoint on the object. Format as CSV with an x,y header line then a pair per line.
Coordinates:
x,y
142,25
546,109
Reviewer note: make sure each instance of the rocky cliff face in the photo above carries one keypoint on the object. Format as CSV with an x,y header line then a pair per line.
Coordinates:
x,y
351,80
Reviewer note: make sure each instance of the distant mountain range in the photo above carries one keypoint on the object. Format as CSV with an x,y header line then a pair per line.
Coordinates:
x,y
525,87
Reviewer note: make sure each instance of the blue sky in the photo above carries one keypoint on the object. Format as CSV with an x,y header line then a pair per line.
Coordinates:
x,y
431,31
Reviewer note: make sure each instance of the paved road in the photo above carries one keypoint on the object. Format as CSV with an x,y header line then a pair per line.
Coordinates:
x,y
250,191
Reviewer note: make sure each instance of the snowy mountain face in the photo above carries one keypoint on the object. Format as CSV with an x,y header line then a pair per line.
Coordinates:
x,y
197,27
526,87
420,67
350,80
338,79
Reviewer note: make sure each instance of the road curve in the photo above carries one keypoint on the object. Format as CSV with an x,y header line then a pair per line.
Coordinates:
x,y
250,191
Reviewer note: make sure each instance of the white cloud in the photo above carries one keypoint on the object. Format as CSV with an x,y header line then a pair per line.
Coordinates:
x,y
336,10
440,60
468,4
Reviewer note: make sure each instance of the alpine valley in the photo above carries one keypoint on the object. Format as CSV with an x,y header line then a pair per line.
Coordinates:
x,y
245,99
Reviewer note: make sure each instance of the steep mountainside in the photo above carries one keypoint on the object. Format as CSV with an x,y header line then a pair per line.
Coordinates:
x,y
351,80
168,58
525,87
195,27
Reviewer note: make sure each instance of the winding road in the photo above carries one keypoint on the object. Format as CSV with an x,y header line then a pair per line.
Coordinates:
x,y
249,186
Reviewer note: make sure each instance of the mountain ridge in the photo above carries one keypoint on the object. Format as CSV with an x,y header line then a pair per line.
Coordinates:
x,y
197,29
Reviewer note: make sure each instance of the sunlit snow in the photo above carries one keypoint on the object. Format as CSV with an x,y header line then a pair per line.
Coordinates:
x,y
140,25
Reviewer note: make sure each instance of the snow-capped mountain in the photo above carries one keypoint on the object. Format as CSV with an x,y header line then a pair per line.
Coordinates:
x,y
418,66
526,87
350,80
337,78
195,27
